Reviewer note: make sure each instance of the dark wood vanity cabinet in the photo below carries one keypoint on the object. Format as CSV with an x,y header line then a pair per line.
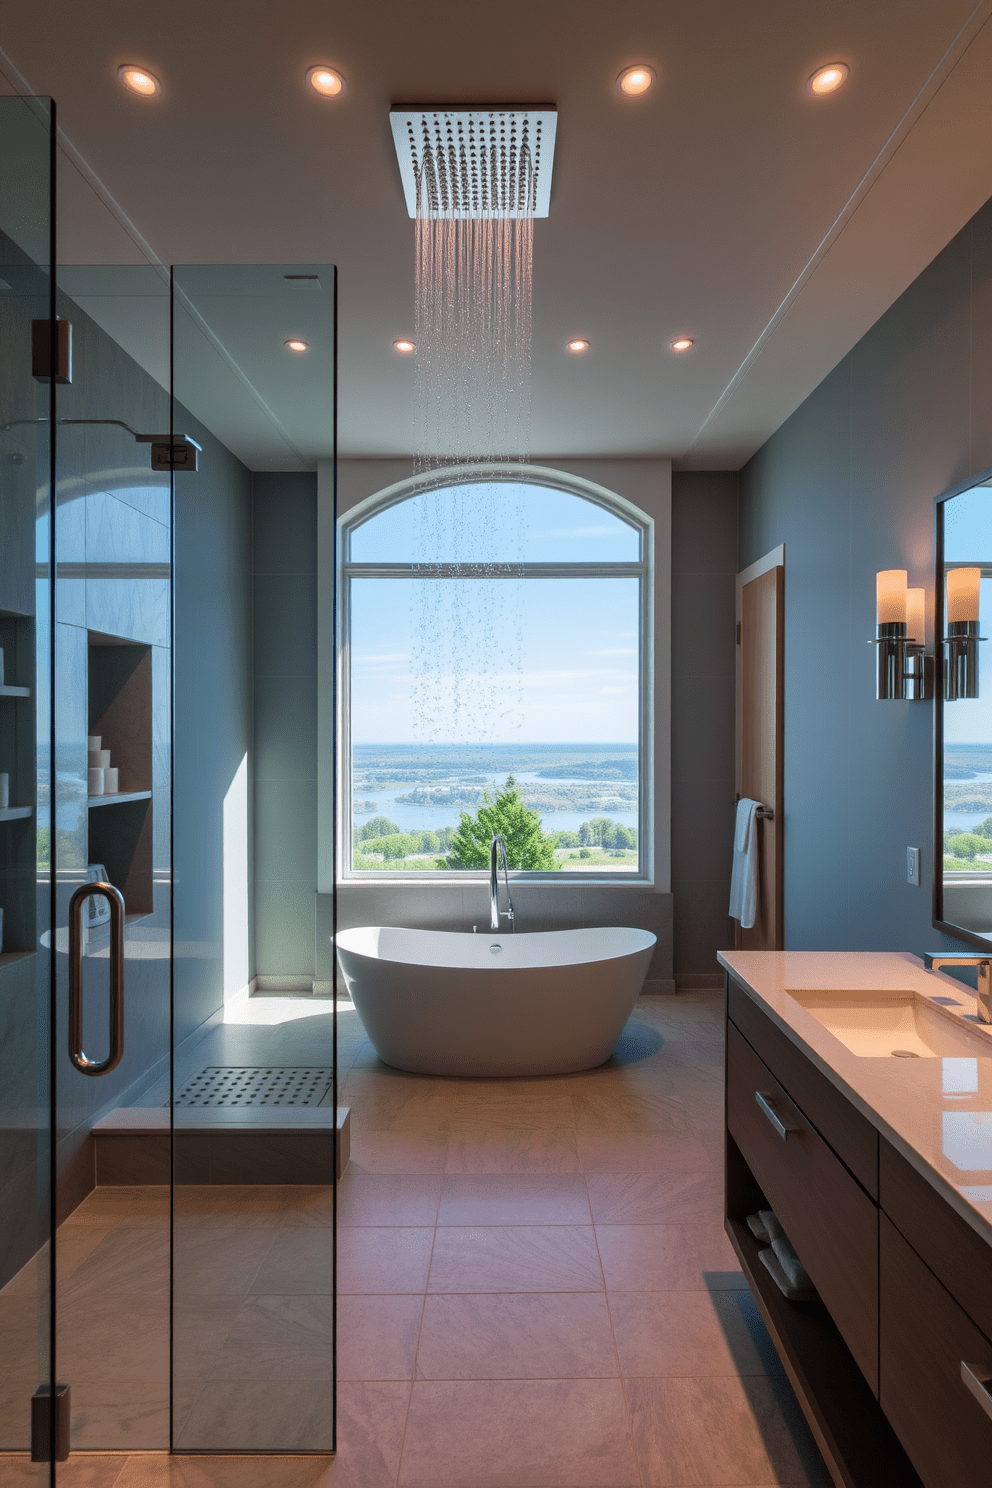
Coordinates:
x,y
905,1284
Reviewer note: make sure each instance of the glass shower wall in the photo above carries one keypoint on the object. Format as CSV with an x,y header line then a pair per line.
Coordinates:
x,y
254,1088
26,436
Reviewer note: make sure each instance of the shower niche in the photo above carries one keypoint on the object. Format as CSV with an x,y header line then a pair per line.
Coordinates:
x,y
120,715
18,847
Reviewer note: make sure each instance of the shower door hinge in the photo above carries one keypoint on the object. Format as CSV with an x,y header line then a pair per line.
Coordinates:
x,y
172,452
41,1423
41,350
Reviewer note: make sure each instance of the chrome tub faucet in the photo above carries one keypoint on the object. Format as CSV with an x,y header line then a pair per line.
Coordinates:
x,y
497,850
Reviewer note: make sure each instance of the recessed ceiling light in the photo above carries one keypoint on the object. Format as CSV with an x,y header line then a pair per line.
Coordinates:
x,y
636,80
326,81
297,345
827,79
405,347
578,346
681,343
139,80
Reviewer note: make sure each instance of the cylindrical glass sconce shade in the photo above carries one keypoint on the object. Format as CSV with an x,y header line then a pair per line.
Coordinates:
x,y
890,596
916,616
963,589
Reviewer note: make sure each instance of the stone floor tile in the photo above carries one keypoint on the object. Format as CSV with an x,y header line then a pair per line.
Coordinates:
x,y
667,1258
388,1259
514,1199
656,1198
515,1258
513,1335
517,1433
408,1199
707,1431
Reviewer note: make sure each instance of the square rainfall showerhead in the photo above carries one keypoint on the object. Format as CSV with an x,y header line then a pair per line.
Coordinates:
x,y
476,162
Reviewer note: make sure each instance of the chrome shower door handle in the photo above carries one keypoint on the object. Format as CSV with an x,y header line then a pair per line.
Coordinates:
x,y
116,899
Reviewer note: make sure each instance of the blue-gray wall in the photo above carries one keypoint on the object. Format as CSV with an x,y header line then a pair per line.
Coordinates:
x,y
284,520
704,565
213,729
848,484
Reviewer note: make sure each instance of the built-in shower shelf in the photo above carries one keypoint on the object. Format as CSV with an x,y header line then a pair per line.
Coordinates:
x,y
15,692
16,813
117,796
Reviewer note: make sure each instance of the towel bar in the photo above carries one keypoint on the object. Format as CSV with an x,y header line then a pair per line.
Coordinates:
x,y
765,812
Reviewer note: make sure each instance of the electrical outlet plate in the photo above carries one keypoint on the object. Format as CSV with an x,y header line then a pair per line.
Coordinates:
x,y
913,866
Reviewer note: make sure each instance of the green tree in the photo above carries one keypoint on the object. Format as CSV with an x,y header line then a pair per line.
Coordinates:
x,y
966,845
397,844
568,839
379,826
984,828
526,844
600,829
428,842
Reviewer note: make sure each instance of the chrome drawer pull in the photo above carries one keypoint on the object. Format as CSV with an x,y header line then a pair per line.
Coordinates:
x,y
979,1387
780,1126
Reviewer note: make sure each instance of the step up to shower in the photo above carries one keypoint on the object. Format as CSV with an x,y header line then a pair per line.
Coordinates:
x,y
226,1137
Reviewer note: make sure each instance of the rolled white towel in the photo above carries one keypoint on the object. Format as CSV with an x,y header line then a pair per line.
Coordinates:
x,y
773,1266
791,1264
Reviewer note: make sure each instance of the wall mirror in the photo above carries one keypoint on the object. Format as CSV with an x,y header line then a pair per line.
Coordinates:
x,y
963,728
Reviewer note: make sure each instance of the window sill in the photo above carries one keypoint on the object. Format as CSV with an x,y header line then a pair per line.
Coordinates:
x,y
481,876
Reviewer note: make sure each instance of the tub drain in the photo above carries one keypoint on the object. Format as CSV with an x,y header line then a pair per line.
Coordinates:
x,y
904,1054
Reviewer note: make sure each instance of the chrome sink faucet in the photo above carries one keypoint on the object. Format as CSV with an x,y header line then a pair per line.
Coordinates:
x,y
934,960
497,850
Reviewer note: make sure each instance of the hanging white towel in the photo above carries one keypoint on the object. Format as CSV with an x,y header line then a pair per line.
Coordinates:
x,y
744,876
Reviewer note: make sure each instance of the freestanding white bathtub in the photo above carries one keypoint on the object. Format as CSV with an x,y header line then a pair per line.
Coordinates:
x,y
436,1002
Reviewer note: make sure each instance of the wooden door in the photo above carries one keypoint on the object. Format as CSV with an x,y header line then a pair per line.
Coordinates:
x,y
760,648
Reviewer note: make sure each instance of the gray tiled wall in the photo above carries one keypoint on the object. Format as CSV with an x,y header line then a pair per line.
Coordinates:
x,y
704,565
284,523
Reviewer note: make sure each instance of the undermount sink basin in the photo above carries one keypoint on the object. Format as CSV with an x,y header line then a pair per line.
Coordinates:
x,y
896,1025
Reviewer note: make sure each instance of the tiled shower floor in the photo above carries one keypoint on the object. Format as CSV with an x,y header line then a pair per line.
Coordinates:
x,y
535,1291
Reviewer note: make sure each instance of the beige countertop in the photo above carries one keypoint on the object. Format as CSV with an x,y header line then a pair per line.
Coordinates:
x,y
937,1112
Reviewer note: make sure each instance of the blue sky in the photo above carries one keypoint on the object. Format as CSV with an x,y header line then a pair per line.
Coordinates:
x,y
495,659
548,660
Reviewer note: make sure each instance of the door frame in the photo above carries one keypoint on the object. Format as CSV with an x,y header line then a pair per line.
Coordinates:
x,y
773,559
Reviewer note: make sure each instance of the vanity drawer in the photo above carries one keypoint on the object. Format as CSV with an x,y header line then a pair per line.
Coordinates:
x,y
828,1217
850,1134
925,1337
959,1258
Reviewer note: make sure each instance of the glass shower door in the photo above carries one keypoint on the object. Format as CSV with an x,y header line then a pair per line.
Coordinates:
x,y
27,1426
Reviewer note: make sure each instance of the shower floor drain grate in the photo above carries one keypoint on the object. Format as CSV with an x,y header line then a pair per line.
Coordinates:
x,y
241,1086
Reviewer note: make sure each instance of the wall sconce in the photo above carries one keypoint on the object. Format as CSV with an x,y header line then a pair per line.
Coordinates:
x,y
962,638
905,672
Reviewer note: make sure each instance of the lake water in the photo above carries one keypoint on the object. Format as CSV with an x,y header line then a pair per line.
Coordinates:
x,y
412,818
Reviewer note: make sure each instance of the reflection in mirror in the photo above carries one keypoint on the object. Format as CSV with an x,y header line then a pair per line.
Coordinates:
x,y
964,732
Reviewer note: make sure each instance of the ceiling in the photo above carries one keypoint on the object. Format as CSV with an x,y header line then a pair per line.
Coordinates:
x,y
725,204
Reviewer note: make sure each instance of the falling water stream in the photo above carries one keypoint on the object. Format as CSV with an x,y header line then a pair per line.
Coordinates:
x,y
472,407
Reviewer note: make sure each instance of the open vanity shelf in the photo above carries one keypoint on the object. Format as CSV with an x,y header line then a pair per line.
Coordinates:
x,y
120,713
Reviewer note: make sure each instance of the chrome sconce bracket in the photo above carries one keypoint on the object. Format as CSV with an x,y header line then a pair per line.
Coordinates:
x,y
961,660
904,671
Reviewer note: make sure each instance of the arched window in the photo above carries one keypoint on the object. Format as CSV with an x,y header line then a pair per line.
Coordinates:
x,y
496,631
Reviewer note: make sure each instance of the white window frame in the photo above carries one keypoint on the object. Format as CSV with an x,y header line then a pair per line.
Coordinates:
x,y
638,488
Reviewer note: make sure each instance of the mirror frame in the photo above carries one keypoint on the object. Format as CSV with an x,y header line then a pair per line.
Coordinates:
x,y
970,937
